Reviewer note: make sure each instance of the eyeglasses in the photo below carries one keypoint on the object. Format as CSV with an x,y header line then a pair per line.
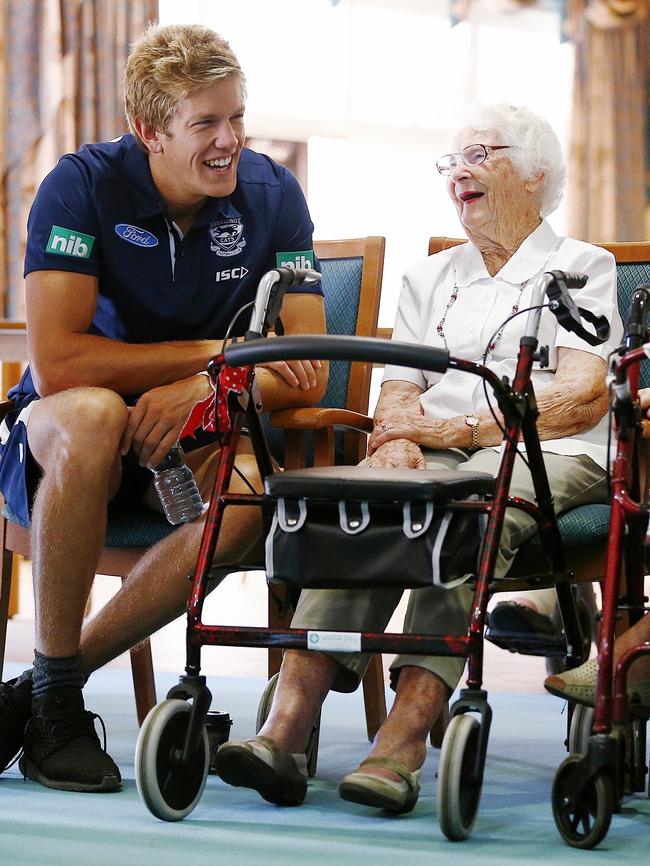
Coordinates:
x,y
473,154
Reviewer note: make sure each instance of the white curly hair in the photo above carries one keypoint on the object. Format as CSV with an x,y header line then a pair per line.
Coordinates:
x,y
536,148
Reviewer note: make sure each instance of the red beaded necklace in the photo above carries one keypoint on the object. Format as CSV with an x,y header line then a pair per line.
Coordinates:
x,y
440,327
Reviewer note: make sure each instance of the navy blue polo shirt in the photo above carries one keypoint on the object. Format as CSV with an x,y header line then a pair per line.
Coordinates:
x,y
98,212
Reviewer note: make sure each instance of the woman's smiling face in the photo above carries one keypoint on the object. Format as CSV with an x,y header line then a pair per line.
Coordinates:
x,y
491,197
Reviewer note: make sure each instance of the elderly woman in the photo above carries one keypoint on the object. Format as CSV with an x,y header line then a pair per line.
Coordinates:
x,y
504,176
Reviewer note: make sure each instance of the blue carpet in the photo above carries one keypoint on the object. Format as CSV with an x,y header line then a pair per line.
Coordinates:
x,y
233,826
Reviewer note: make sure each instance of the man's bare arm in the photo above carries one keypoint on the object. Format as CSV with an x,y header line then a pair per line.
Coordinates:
x,y
295,383
60,308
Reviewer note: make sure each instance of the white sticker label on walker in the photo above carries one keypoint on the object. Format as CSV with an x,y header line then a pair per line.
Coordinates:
x,y
334,641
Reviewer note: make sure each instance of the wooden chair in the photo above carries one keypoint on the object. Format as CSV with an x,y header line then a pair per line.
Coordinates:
x,y
584,529
336,430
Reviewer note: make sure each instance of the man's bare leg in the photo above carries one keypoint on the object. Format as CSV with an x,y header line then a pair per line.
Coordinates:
x,y
156,590
74,437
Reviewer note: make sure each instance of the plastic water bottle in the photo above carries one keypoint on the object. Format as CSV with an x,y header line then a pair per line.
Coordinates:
x,y
178,491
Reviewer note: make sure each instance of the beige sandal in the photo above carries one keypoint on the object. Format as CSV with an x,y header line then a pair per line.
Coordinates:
x,y
259,763
579,685
380,792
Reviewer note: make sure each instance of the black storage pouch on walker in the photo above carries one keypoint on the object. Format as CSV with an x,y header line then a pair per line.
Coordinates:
x,y
360,527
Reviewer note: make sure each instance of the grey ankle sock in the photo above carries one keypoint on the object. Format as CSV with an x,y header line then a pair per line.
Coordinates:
x,y
26,675
52,672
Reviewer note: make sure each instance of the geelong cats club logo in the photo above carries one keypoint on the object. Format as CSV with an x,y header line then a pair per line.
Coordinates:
x,y
227,236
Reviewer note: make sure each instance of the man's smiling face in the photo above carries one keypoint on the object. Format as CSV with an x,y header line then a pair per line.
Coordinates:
x,y
200,149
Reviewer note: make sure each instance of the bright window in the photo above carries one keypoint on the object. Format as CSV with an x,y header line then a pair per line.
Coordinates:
x,y
375,88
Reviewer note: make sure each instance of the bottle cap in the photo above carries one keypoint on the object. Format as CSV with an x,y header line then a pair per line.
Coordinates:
x,y
172,460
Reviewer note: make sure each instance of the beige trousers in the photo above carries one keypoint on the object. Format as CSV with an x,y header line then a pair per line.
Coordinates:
x,y
434,610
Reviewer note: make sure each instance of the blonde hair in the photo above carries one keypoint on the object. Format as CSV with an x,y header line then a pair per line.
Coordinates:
x,y
167,64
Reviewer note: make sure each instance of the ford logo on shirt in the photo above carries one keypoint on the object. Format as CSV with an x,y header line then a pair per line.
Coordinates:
x,y
134,235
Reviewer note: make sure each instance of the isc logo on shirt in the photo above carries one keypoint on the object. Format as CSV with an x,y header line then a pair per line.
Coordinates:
x,y
299,259
231,274
64,242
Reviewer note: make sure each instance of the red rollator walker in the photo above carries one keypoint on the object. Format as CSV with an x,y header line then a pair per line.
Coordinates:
x,y
400,528
608,743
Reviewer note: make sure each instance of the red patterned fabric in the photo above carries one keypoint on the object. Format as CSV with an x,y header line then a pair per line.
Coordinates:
x,y
49,111
232,380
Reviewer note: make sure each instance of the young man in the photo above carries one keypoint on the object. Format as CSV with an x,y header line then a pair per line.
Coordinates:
x,y
140,253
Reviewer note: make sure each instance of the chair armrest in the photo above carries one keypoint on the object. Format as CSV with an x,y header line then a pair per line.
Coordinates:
x,y
321,422
645,426
315,418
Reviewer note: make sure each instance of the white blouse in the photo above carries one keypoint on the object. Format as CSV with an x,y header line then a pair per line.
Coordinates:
x,y
482,304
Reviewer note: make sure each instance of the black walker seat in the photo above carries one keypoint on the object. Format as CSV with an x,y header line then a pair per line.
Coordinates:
x,y
373,527
376,483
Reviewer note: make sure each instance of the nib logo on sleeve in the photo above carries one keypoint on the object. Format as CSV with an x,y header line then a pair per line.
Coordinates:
x,y
299,259
64,242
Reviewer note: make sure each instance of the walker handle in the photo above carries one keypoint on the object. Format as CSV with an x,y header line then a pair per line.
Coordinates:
x,y
337,348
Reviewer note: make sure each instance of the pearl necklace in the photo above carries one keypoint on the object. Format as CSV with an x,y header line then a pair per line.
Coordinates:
x,y
440,327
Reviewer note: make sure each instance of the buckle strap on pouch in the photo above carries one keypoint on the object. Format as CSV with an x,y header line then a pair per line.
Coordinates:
x,y
288,520
414,528
350,524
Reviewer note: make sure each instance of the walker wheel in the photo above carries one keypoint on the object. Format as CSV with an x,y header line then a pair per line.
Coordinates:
x,y
459,793
169,789
585,822
582,722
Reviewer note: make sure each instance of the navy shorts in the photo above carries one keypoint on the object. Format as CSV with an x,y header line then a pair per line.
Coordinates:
x,y
20,474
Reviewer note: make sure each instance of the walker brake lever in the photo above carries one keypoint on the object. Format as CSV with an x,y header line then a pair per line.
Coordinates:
x,y
566,311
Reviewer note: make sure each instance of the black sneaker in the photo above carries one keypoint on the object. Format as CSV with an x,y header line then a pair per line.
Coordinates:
x,y
15,710
61,747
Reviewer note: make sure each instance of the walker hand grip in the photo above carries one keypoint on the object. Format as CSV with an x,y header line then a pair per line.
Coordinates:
x,y
337,348
268,298
571,279
303,276
636,328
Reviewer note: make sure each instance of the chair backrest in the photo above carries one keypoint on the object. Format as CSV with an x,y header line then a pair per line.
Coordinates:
x,y
632,270
438,244
352,273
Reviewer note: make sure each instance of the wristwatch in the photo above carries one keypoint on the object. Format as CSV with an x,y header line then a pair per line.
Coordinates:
x,y
472,421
